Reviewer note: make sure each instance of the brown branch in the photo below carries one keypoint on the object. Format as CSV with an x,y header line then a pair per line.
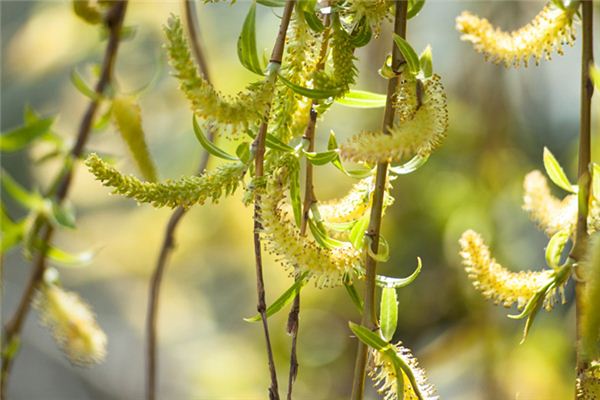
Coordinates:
x,y
168,243
369,318
584,177
113,21
258,147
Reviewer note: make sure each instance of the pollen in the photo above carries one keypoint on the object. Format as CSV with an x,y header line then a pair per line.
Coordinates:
x,y
72,324
547,32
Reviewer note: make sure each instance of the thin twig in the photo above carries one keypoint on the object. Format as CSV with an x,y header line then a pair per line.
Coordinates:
x,y
584,176
168,243
293,323
113,21
369,318
258,147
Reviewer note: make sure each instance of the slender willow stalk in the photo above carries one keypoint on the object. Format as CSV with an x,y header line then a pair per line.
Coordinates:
x,y
113,21
369,318
309,199
258,147
168,244
584,176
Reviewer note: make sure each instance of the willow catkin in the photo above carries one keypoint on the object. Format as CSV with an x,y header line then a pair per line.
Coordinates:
x,y
547,32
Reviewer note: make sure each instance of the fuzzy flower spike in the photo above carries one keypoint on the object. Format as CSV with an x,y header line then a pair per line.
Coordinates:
x,y
72,323
547,32
422,116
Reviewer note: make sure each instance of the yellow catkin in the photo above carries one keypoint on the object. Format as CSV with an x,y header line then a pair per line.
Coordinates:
x,y
588,382
496,282
419,132
374,11
550,213
283,238
547,32
72,323
383,374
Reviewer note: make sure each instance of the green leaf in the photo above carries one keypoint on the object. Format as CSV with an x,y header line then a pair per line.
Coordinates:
x,y
388,318
409,54
209,146
396,283
386,70
82,87
317,94
555,172
12,233
362,99
243,152
273,142
283,300
246,45
18,138
295,196
354,296
555,247
425,60
362,34
357,234
64,215
368,337
410,166
321,236
380,256
19,194
414,6
271,3
313,21
67,259
332,141
321,158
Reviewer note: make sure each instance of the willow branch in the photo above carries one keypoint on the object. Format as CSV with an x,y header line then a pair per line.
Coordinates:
x,y
168,244
113,21
369,318
258,146
584,176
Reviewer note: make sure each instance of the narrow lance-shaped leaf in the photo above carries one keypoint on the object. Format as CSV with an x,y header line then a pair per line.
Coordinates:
x,y
388,313
317,94
555,172
414,7
354,296
321,158
555,248
357,234
321,237
409,54
283,300
425,60
209,146
18,138
246,45
362,99
386,281
81,86
295,197
18,193
410,166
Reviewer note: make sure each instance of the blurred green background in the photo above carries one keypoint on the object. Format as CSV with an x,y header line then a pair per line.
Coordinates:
x,y
499,122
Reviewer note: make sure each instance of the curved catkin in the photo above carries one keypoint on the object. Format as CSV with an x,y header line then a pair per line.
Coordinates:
x,y
185,192
547,32
374,11
419,132
496,282
72,324
551,214
384,376
283,238
590,317
588,382
355,204
245,108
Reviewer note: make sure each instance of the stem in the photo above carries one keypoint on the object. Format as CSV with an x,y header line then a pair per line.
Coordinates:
x,y
113,21
369,318
584,178
309,199
168,244
258,146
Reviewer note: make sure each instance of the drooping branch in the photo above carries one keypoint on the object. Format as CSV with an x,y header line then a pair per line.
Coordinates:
x,y
369,318
113,20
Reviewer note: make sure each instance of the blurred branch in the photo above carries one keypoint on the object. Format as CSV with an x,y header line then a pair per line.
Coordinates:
x,y
168,244
584,177
113,21
258,146
369,318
